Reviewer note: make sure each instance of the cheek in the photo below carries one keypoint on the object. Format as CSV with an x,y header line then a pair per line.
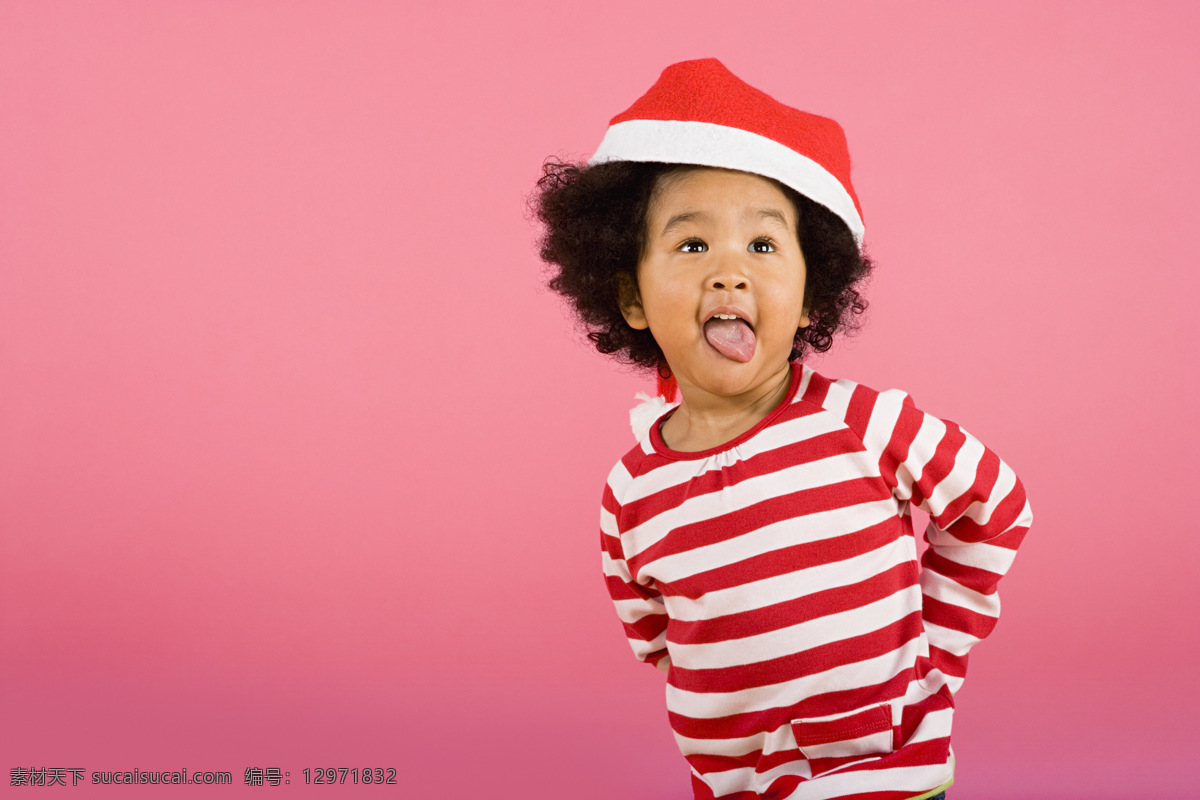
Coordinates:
x,y
663,300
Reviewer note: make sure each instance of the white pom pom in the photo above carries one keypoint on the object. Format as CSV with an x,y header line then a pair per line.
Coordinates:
x,y
646,413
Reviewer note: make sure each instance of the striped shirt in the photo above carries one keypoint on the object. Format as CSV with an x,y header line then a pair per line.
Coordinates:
x,y
810,656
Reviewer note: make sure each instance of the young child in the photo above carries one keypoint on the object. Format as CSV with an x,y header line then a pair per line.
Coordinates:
x,y
757,541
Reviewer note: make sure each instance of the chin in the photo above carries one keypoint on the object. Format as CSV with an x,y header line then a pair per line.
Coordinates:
x,y
732,381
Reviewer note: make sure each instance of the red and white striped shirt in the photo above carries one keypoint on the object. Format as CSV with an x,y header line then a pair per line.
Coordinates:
x,y
810,656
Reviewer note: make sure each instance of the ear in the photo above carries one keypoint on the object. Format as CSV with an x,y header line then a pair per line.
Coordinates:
x,y
806,320
631,302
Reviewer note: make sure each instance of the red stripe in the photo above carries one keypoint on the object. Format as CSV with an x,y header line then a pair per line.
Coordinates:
x,y
947,662
870,720
621,590
656,656
707,764
912,715
974,578
817,390
816,448
933,751
958,618
986,473
611,545
796,558
701,791
860,408
647,628
793,612
608,501
752,723
865,646
940,465
908,425
833,497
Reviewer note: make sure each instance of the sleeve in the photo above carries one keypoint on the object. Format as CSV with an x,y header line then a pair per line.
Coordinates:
x,y
978,515
640,609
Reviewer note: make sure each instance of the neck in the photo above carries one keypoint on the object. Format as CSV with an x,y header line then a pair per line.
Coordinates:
x,y
705,420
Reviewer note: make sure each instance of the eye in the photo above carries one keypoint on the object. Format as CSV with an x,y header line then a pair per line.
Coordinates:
x,y
763,245
693,246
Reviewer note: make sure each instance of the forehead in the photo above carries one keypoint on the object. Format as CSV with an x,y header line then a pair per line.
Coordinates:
x,y
706,188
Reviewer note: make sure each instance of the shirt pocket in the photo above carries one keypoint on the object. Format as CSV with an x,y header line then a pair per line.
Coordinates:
x,y
838,740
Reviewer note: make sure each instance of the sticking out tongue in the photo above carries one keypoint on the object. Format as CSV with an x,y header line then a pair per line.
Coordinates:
x,y
732,338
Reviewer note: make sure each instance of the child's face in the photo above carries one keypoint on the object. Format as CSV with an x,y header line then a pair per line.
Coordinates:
x,y
720,242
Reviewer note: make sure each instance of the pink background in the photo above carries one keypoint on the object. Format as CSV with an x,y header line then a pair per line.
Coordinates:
x,y
300,464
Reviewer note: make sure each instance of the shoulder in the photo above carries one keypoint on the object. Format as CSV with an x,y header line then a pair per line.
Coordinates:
x,y
870,413
847,399
626,470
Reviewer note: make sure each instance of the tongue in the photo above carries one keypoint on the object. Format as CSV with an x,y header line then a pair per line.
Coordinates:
x,y
732,338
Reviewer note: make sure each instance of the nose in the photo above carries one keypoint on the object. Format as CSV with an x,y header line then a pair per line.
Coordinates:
x,y
728,274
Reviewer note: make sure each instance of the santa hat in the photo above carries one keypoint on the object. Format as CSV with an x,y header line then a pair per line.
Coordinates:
x,y
701,113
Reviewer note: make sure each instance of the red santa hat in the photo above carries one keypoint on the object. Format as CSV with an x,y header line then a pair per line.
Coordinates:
x,y
701,113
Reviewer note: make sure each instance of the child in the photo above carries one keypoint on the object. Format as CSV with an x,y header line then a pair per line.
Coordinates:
x,y
757,541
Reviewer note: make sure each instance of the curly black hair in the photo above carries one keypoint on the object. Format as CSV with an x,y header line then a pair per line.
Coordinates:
x,y
595,230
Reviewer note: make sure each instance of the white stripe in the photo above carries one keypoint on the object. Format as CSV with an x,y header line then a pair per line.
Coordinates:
x,y
882,425
960,478
832,784
956,643
776,741
837,399
766,486
813,527
1024,519
922,449
792,585
736,780
920,690
671,475
981,556
954,682
630,611
790,432
614,567
869,672
934,725
948,590
800,637
641,650
980,512
711,145
619,479
909,779
806,374
683,472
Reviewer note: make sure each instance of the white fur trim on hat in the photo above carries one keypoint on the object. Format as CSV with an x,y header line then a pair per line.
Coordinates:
x,y
646,413
710,145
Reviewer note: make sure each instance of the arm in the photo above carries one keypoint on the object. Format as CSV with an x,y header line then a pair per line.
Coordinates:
x,y
978,516
640,609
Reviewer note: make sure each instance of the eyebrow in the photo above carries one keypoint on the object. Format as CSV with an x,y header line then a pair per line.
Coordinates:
x,y
684,217
680,219
771,213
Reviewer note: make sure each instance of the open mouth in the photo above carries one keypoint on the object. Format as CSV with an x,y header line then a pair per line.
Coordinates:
x,y
731,336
